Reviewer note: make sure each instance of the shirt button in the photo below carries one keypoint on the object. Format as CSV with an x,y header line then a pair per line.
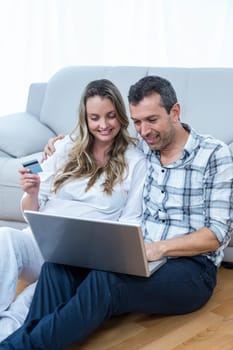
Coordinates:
x,y
162,191
162,170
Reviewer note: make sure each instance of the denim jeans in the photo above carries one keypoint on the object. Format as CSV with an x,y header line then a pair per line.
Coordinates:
x,y
70,303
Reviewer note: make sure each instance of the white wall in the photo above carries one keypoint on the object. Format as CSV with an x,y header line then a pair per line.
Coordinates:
x,y
37,37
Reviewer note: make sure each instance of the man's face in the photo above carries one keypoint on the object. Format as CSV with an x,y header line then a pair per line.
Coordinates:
x,y
153,123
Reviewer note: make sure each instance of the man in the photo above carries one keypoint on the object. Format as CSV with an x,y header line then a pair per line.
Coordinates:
x,y
187,217
184,198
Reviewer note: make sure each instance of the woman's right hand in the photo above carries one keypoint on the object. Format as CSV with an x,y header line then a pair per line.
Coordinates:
x,y
49,149
29,183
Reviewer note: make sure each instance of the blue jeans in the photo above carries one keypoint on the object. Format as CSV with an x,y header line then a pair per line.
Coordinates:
x,y
70,302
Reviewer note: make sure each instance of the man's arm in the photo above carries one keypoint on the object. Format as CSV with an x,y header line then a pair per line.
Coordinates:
x,y
218,181
195,243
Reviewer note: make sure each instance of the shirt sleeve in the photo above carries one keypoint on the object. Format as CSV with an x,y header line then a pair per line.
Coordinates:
x,y
219,194
50,167
132,211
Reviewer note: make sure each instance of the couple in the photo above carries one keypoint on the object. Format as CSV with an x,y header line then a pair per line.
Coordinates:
x,y
186,215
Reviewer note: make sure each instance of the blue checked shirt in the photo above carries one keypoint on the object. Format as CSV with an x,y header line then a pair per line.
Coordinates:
x,y
193,192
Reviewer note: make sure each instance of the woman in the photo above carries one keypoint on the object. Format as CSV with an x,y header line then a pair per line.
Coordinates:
x,y
96,172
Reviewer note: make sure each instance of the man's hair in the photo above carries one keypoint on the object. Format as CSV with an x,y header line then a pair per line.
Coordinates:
x,y
150,85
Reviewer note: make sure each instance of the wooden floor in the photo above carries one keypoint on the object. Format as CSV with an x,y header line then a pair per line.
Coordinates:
x,y
210,328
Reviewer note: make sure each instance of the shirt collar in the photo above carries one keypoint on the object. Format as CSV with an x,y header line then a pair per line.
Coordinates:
x,y
191,143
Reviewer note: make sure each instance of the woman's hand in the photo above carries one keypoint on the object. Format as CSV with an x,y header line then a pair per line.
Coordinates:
x,y
49,149
30,183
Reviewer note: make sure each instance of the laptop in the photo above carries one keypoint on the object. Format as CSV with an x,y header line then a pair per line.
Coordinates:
x,y
100,245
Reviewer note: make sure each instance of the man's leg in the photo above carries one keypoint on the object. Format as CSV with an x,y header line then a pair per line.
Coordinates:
x,y
57,284
180,286
68,304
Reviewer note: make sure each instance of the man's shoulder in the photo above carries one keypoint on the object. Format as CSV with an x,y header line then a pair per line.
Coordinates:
x,y
64,144
209,142
212,143
210,151
133,152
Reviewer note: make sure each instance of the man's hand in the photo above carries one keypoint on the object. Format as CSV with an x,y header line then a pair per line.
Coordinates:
x,y
153,251
195,243
49,149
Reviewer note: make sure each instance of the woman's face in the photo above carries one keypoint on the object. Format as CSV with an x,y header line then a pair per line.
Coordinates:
x,y
102,119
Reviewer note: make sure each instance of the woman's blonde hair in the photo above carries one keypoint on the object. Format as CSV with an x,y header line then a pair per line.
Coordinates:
x,y
81,163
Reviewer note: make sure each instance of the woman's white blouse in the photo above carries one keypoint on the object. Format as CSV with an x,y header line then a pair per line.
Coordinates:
x,y
124,204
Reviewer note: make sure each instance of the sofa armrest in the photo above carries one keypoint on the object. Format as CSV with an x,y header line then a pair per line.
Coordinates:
x,y
22,134
36,98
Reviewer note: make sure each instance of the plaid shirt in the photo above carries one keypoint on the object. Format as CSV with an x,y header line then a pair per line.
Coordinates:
x,y
193,192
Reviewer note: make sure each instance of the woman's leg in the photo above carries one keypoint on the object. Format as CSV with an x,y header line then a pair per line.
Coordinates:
x,y
180,286
14,317
20,255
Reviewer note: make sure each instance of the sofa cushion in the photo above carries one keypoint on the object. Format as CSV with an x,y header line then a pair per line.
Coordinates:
x,y
22,134
64,89
10,191
209,102
231,146
62,97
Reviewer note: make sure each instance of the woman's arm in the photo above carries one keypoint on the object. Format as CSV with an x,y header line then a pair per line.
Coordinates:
x,y
37,188
132,211
30,184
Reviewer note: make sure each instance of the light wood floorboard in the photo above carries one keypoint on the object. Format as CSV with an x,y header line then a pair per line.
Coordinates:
x,y
210,328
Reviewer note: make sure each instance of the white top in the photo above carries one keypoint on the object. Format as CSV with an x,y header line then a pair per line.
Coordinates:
x,y
124,204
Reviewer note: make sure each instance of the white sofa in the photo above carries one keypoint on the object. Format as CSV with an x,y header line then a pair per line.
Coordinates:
x,y
205,95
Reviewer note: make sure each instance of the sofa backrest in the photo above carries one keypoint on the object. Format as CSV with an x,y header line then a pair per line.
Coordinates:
x,y
205,95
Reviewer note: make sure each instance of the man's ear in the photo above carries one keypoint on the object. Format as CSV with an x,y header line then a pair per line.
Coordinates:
x,y
175,112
